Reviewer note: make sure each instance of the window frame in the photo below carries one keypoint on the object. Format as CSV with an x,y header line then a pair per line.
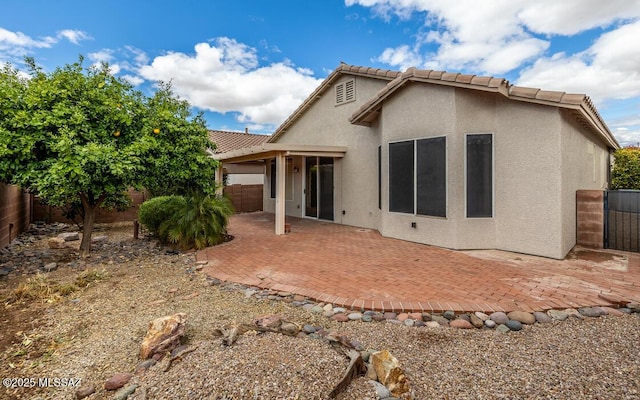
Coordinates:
x,y
493,176
415,177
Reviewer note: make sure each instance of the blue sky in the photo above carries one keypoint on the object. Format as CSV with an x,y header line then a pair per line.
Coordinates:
x,y
249,64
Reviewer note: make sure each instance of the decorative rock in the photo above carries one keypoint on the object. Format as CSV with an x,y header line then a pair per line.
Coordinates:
x,y
84,391
475,321
409,322
308,306
340,317
371,373
465,317
449,314
426,316
117,381
125,392
103,238
339,310
268,321
420,323
634,307
328,307
572,312
55,243
328,314
514,325
461,324
542,318
440,319
317,309
390,315
365,356
381,390
355,316
389,372
416,316
378,317
612,311
522,317
69,236
481,315
490,323
558,315
432,324
499,317
592,312
289,329
503,328
625,310
163,335
402,317
308,329
50,267
366,318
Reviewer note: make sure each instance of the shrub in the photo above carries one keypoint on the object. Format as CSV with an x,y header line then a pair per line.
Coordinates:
x,y
626,169
155,211
197,222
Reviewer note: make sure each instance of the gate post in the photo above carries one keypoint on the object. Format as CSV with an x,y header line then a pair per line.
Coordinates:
x,y
590,218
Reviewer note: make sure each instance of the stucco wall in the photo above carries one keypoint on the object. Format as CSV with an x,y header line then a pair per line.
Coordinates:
x,y
585,162
355,175
526,169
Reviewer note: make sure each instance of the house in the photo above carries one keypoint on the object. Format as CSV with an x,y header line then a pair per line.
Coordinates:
x,y
239,174
445,159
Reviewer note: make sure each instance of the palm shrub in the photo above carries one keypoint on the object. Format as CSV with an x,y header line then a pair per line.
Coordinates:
x,y
155,211
197,222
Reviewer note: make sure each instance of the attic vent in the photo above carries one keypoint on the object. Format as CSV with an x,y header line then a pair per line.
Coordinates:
x,y
346,92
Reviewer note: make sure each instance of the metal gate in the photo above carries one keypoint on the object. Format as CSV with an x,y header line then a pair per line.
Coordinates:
x,y
622,220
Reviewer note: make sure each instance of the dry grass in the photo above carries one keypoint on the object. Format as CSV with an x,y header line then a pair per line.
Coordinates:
x,y
42,288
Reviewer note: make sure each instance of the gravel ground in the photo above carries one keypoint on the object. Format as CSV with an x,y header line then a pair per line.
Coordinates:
x,y
96,332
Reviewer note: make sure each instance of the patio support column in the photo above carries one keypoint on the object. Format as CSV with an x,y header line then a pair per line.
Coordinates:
x,y
219,180
281,169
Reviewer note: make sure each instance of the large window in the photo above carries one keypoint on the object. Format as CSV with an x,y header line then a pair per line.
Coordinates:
x,y
479,172
417,177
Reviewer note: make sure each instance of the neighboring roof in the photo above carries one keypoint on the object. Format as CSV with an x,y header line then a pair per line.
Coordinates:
x,y
228,141
377,73
580,104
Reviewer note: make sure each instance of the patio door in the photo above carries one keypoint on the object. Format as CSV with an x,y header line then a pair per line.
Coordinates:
x,y
319,187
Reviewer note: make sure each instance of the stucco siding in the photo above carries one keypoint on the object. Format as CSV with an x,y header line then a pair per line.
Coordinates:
x,y
585,161
528,180
355,175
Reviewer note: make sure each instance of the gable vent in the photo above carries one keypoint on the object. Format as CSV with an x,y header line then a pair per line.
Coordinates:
x,y
346,92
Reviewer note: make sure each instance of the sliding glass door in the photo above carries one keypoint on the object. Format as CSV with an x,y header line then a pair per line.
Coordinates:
x,y
319,187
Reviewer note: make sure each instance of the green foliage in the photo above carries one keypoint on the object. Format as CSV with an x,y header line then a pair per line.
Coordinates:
x,y
198,222
153,212
626,169
82,137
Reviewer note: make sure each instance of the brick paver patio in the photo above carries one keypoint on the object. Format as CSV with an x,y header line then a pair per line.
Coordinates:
x,y
358,268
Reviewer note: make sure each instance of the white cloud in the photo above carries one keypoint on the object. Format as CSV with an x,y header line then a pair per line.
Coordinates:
x,y
10,39
74,36
104,55
132,79
609,69
493,37
225,76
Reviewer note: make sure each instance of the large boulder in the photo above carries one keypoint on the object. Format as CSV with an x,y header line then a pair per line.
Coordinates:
x,y
163,335
389,373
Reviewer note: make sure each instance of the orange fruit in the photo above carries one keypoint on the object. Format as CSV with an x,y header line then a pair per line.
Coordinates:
x,y
116,133
156,130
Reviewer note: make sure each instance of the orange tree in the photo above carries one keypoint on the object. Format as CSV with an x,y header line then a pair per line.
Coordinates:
x,y
82,135
626,169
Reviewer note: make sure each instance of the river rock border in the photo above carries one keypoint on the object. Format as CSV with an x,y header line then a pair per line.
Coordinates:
x,y
499,321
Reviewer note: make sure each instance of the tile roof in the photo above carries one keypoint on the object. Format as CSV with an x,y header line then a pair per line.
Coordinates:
x,y
227,140
581,105
377,73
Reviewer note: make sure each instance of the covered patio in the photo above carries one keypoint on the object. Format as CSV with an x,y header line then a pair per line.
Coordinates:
x,y
359,269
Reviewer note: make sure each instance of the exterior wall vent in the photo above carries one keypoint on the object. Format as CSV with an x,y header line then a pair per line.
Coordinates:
x,y
346,92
